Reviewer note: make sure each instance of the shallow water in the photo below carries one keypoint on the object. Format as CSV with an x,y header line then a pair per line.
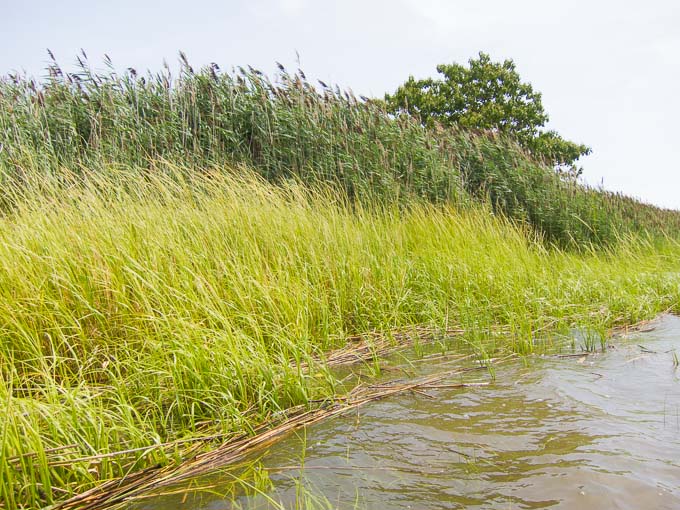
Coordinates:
x,y
593,432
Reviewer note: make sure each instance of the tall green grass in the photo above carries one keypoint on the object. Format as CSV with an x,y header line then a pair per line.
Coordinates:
x,y
282,129
287,128
140,306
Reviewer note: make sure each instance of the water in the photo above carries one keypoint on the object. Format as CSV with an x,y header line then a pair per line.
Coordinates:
x,y
587,433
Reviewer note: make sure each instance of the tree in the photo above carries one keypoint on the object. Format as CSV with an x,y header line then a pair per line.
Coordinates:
x,y
486,95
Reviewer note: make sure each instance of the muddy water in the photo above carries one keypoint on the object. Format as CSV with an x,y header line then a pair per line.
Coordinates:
x,y
593,432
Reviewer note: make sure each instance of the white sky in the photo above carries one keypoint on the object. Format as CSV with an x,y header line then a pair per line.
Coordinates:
x,y
609,71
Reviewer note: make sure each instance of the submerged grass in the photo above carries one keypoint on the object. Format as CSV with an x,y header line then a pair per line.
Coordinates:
x,y
140,309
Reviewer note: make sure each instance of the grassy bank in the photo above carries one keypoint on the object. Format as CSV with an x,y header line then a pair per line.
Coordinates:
x,y
140,307
285,129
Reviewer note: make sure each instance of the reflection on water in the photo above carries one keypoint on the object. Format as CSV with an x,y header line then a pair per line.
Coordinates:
x,y
587,433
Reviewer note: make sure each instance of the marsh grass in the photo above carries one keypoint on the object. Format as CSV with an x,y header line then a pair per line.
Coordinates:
x,y
145,315
590,336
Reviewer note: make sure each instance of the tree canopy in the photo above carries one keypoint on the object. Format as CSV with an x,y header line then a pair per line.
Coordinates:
x,y
486,95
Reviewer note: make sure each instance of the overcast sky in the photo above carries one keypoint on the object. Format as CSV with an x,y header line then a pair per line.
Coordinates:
x,y
609,71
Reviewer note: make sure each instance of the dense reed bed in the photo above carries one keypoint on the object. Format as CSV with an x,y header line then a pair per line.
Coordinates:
x,y
287,128
148,306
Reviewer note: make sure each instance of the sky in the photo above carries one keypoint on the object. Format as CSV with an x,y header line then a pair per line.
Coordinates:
x,y
609,71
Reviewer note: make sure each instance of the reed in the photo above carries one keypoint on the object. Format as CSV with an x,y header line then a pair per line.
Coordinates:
x,y
286,128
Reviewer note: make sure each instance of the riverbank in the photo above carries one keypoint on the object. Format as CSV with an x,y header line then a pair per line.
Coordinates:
x,y
138,312
583,430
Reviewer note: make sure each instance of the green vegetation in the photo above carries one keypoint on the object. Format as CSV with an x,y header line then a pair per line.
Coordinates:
x,y
289,129
156,287
144,307
486,95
